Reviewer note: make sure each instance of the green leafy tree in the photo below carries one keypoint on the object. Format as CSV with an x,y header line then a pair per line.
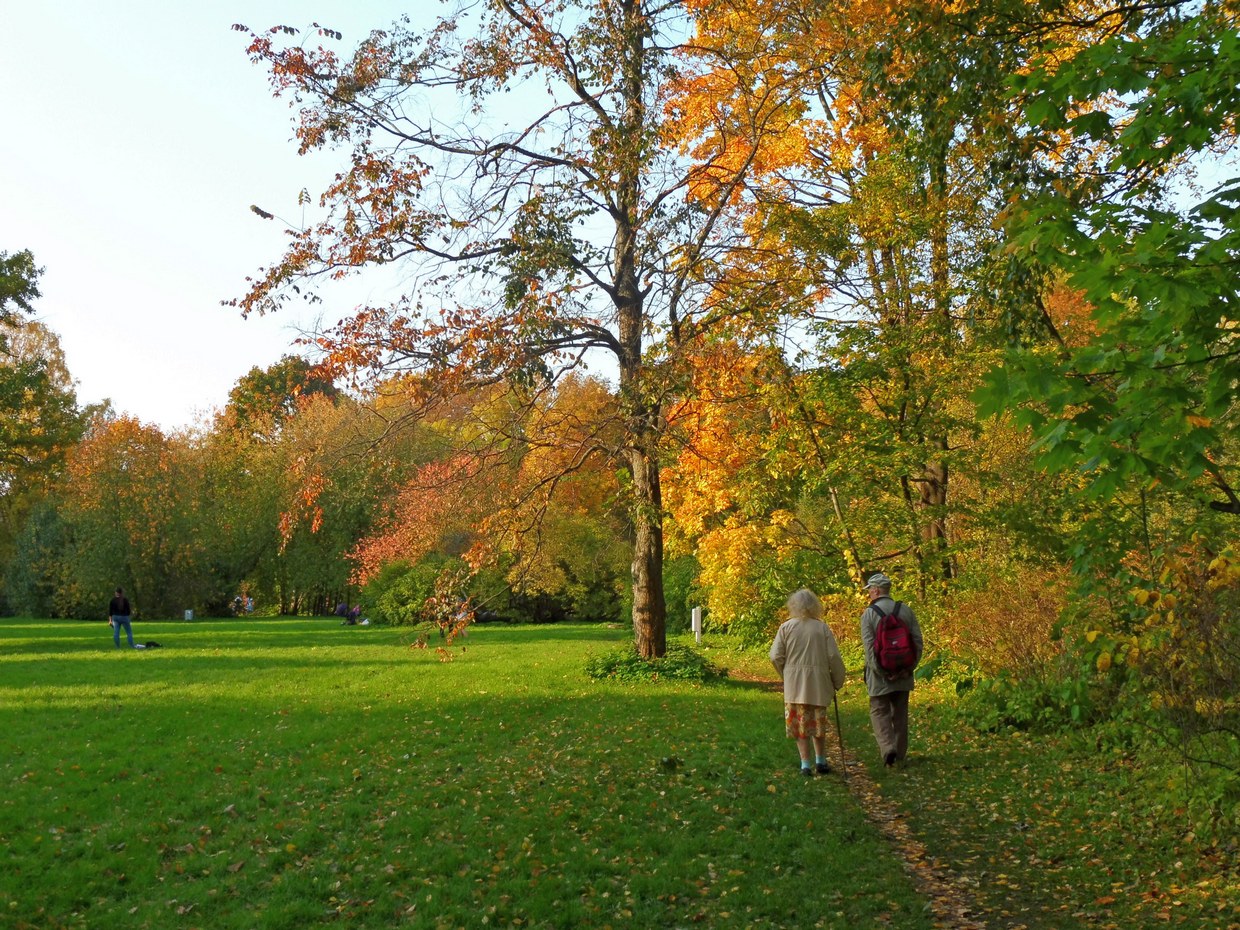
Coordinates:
x,y
19,284
39,421
37,570
1103,206
237,512
39,414
264,398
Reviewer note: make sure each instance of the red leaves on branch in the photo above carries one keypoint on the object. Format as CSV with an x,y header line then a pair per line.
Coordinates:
x,y
443,496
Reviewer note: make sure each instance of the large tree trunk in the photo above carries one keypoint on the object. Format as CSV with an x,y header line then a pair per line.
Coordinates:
x,y
932,501
649,607
642,415
646,506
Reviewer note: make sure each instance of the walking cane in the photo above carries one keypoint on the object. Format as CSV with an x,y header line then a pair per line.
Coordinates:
x,y
839,732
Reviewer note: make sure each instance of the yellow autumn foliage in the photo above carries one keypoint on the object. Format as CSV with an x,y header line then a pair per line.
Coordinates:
x,y
1187,652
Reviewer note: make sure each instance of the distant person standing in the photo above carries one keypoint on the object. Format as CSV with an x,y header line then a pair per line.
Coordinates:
x,y
888,626
119,614
808,660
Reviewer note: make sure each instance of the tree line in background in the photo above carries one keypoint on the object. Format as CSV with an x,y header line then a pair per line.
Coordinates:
x,y
925,287
300,497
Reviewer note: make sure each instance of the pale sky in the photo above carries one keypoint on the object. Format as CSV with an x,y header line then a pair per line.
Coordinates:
x,y
134,136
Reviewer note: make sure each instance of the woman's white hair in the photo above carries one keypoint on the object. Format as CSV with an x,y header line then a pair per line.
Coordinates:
x,y
805,603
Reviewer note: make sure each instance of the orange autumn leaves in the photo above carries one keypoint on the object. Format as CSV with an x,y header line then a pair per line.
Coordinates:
x,y
526,473
772,88
722,492
776,110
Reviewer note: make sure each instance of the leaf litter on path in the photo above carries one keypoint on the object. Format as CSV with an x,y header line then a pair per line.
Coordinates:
x,y
947,893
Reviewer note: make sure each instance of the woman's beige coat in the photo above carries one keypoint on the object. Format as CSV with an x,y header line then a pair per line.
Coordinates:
x,y
807,658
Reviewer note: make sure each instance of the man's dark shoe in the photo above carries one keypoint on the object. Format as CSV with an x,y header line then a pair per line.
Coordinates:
x,y
890,760
822,768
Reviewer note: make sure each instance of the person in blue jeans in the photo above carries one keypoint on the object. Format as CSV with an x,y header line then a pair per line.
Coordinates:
x,y
119,613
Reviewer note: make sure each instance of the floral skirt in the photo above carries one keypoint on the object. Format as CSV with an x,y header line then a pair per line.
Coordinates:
x,y
803,721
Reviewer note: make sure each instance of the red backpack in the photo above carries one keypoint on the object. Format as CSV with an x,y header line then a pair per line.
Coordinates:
x,y
894,648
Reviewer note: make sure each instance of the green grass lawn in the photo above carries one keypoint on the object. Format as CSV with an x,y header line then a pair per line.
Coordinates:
x,y
291,773
1044,831
1056,831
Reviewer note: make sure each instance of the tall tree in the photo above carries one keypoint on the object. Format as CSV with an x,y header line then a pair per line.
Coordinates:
x,y
39,421
866,213
329,488
128,521
39,414
542,232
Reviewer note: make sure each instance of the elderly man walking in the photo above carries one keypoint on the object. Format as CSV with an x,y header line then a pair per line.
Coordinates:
x,y
888,688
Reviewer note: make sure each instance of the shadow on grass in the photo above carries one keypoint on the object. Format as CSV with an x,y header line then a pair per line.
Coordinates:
x,y
378,787
266,653
750,684
31,636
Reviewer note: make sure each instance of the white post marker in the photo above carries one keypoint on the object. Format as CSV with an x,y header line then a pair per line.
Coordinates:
x,y
189,615
697,625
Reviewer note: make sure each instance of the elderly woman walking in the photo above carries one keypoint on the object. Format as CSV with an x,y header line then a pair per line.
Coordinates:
x,y
807,658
